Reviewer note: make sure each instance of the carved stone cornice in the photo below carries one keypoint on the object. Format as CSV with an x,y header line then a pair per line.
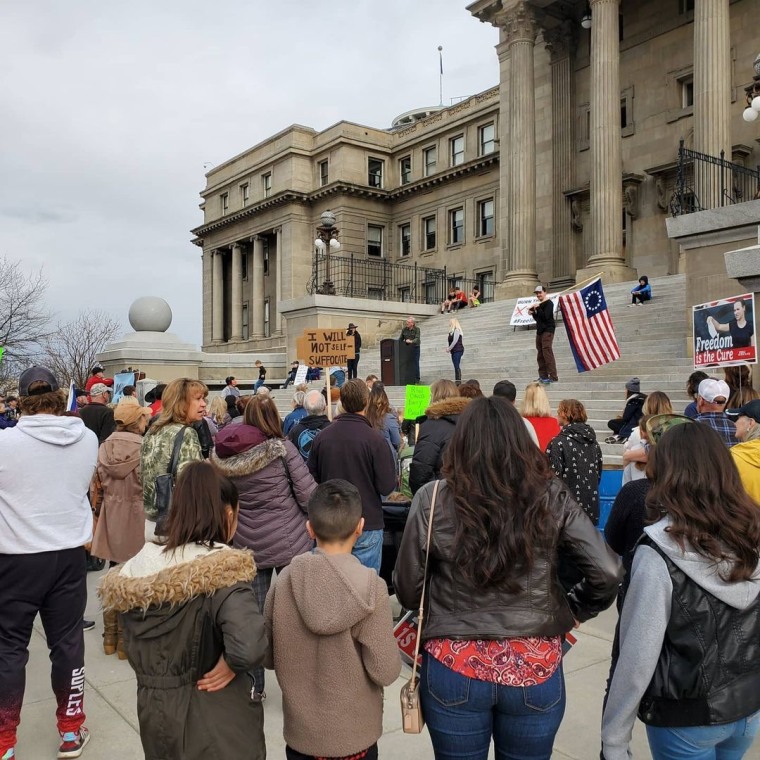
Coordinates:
x,y
519,24
561,40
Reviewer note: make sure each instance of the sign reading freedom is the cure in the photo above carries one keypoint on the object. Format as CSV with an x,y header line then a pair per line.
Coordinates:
x,y
323,347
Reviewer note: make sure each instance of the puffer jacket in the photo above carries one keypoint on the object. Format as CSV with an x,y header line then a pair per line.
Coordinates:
x,y
120,532
458,610
273,497
435,432
576,457
181,610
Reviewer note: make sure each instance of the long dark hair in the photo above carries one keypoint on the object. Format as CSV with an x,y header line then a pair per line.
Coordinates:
x,y
498,478
199,507
377,406
696,483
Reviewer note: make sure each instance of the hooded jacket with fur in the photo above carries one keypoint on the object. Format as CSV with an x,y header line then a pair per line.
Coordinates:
x,y
333,649
274,486
435,432
170,601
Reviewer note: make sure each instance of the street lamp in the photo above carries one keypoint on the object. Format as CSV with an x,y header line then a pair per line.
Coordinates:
x,y
752,111
586,19
327,243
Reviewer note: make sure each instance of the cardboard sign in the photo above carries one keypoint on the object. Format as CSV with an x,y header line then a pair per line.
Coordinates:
x,y
724,332
405,633
417,399
521,316
325,347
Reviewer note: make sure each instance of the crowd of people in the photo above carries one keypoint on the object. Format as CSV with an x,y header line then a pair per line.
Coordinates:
x,y
242,537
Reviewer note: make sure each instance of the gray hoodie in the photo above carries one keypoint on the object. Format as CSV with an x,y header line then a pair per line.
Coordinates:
x,y
645,618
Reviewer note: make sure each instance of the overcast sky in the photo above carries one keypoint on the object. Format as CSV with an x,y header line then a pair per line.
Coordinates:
x,y
109,110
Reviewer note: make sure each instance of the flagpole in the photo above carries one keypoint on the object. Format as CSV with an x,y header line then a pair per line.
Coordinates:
x,y
440,76
581,284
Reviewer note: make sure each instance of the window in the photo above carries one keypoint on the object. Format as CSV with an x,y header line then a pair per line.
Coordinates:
x,y
428,233
324,173
244,267
431,292
686,87
265,248
245,193
485,284
485,218
487,139
405,233
627,126
457,150
405,170
429,157
267,326
376,294
246,331
266,183
405,294
224,202
375,172
456,226
374,240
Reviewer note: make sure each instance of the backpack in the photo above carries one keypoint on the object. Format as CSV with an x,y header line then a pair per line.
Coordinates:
x,y
305,439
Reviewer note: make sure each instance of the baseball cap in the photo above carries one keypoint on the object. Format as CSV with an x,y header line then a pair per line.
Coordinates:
x,y
540,289
659,424
712,389
750,409
96,368
36,375
99,389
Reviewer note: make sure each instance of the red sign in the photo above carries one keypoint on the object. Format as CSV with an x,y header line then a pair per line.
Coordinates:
x,y
406,638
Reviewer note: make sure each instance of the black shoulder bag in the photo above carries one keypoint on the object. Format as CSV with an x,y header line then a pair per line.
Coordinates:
x,y
165,485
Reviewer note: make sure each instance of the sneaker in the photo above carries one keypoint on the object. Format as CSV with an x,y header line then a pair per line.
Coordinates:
x,y
544,380
613,439
72,743
88,625
10,754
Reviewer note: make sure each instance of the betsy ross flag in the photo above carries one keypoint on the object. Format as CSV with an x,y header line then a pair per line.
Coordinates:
x,y
589,327
71,401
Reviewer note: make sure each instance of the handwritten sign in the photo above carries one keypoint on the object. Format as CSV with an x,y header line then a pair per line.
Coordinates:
x,y
301,373
324,347
416,401
521,316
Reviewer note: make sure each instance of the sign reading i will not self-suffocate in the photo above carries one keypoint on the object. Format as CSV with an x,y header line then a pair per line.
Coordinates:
x,y
325,347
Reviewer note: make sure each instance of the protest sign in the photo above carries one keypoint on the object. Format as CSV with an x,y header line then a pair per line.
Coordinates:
x,y
121,380
724,332
301,373
521,316
325,347
417,399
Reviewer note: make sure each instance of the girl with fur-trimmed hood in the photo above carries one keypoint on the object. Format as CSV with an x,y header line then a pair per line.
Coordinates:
x,y
275,486
193,628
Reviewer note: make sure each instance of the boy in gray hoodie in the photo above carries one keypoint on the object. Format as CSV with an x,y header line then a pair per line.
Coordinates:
x,y
331,629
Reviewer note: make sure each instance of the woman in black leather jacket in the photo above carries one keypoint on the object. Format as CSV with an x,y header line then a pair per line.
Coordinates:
x,y
495,611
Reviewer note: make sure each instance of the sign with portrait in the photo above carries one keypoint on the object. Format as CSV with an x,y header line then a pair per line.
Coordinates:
x,y
724,332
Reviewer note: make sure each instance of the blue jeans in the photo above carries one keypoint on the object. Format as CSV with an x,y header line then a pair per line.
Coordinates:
x,y
462,715
368,549
729,741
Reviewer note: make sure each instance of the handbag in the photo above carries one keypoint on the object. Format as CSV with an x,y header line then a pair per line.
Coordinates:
x,y
165,485
412,719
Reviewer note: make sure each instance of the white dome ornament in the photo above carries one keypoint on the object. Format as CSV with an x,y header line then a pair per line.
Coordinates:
x,y
150,314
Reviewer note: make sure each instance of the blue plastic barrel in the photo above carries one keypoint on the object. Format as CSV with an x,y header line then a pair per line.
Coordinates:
x,y
611,483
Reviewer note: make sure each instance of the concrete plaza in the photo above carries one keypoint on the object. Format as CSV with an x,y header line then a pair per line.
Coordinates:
x,y
110,703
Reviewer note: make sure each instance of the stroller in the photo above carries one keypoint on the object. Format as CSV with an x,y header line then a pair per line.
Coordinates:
x,y
395,512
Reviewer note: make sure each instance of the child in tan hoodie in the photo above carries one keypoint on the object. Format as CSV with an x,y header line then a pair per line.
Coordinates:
x,y
330,624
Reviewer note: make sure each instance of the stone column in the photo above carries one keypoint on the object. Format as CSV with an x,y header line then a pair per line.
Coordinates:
x,y
503,209
712,92
278,281
520,28
217,298
606,150
237,292
560,42
257,300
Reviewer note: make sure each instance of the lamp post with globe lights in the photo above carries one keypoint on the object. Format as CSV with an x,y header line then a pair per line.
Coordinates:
x,y
327,242
752,111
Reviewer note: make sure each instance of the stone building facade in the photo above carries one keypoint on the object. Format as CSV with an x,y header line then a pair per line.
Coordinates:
x,y
565,169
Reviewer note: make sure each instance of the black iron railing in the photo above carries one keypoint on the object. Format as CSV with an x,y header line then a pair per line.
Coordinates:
x,y
705,182
380,280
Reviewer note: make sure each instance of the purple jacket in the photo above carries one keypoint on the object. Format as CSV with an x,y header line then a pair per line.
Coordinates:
x,y
272,519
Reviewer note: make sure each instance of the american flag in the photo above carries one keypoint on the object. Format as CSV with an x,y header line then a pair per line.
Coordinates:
x,y
589,327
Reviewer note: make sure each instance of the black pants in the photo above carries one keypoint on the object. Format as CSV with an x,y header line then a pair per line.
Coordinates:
x,y
53,584
353,366
371,754
640,297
